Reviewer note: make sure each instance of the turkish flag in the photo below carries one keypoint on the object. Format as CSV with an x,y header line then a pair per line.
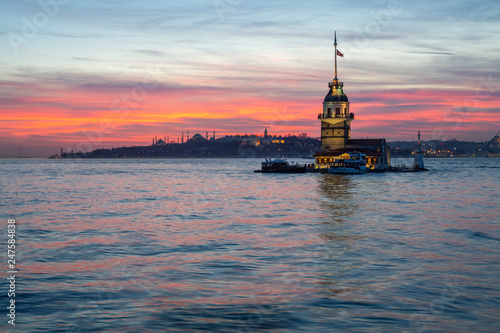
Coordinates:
x,y
340,54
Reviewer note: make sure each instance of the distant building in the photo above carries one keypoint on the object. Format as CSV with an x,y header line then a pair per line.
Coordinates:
x,y
197,138
336,139
159,143
495,142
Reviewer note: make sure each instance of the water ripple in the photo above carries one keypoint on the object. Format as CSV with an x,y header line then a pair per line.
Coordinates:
x,y
209,246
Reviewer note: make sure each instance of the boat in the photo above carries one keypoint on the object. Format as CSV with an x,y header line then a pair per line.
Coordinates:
x,y
355,164
280,165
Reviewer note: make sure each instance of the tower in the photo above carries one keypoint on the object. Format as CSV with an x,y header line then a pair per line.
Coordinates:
x,y
336,142
335,118
418,162
266,134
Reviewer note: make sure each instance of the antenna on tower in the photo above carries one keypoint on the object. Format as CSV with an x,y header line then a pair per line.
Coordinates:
x,y
335,44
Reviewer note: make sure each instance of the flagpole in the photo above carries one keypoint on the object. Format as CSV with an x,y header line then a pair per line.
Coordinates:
x,y
335,43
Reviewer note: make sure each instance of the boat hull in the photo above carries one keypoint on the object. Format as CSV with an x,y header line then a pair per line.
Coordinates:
x,y
346,171
294,170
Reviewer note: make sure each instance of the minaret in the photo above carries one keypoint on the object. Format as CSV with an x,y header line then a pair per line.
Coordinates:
x,y
187,136
336,118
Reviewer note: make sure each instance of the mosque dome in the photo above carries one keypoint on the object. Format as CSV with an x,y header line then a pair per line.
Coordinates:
x,y
197,136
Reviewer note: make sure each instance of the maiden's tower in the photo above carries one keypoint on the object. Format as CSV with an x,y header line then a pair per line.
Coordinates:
x,y
336,140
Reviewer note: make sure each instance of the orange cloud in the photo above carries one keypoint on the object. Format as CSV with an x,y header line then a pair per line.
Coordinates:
x,y
117,115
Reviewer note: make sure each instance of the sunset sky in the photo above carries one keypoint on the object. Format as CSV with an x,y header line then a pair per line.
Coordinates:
x,y
91,74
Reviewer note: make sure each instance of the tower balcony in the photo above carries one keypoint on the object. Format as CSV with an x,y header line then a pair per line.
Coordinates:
x,y
321,116
335,119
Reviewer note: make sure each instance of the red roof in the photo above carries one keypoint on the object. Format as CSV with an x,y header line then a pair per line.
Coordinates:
x,y
366,142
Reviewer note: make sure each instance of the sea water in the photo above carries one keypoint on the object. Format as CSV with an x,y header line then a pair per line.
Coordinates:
x,y
207,245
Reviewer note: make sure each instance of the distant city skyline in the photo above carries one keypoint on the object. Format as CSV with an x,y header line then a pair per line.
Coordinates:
x,y
92,74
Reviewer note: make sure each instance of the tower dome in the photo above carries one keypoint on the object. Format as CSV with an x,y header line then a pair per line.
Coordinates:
x,y
336,93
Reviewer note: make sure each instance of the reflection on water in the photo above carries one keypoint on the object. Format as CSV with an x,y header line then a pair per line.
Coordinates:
x,y
208,245
338,207
337,202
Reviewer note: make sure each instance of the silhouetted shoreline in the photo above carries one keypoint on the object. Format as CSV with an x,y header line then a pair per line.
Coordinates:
x,y
277,146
